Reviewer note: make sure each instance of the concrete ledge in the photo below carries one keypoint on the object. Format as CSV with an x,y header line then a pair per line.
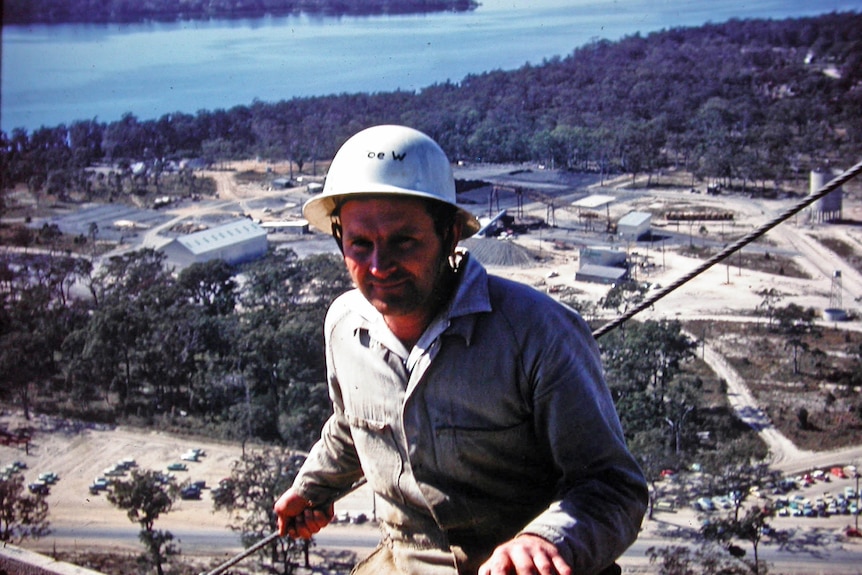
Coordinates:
x,y
17,561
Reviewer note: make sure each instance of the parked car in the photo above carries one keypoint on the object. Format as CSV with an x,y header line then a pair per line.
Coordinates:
x,y
98,485
838,472
193,454
704,504
49,477
190,492
114,471
177,466
39,488
164,478
127,463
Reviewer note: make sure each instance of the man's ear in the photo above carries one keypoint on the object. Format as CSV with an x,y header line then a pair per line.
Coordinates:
x,y
457,230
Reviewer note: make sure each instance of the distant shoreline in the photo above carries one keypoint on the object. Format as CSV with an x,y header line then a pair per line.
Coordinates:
x,y
28,12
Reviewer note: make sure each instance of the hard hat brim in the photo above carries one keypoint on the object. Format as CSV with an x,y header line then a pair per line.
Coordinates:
x,y
318,210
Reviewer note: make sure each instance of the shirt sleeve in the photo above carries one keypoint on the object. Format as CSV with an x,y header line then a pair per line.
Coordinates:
x,y
602,494
332,467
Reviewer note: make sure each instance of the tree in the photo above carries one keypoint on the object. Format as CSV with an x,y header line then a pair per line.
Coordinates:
x,y
145,497
256,481
797,344
22,515
34,319
679,403
622,295
706,559
802,419
211,285
770,298
748,528
651,450
93,233
647,355
735,469
794,321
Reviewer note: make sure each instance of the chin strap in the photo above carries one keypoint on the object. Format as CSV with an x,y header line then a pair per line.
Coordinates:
x,y
337,234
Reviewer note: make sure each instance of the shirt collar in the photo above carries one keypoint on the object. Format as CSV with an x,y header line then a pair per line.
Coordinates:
x,y
458,318
471,297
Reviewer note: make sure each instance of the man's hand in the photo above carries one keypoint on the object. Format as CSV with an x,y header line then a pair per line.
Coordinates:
x,y
526,555
297,518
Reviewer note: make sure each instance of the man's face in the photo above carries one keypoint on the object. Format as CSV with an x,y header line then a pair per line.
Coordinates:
x,y
393,255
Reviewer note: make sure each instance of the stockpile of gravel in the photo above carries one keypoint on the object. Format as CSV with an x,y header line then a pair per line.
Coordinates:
x,y
504,253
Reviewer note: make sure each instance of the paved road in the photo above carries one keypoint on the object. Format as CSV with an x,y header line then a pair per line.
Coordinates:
x,y
824,556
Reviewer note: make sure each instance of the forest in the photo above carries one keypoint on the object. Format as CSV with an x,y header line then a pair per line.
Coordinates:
x,y
750,104
236,353
746,103
127,11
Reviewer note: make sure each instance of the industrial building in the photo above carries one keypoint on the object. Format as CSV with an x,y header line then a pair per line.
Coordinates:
x,y
235,242
293,227
602,265
634,225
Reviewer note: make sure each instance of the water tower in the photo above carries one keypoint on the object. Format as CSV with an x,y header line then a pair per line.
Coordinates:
x,y
827,208
835,311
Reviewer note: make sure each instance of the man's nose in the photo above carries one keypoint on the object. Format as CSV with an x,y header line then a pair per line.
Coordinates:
x,y
381,261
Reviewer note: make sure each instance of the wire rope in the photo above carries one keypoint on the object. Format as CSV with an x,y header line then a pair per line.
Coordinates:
x,y
828,188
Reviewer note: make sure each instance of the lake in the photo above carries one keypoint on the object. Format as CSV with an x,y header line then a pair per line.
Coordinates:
x,y
58,74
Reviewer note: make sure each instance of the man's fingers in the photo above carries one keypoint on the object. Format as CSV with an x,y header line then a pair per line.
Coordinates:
x,y
526,555
307,523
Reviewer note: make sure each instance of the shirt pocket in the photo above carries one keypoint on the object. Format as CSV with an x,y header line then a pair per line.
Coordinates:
x,y
378,453
500,462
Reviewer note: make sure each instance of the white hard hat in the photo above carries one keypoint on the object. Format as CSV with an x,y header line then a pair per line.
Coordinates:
x,y
387,160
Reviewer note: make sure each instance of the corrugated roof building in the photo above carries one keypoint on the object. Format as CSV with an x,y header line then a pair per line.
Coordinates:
x,y
235,242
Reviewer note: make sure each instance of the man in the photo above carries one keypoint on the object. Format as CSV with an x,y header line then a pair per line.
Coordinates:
x,y
475,407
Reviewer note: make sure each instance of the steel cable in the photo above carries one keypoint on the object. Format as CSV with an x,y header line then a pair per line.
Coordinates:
x,y
831,186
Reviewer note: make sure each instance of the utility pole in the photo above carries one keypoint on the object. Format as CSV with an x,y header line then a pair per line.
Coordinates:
x,y
856,515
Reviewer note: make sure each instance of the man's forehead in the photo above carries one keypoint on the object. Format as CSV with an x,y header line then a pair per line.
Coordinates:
x,y
403,213
381,204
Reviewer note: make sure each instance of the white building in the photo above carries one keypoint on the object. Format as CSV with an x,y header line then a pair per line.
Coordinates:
x,y
235,242
294,227
634,225
601,265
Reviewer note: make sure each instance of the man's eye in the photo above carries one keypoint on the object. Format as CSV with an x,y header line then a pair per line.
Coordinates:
x,y
359,244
